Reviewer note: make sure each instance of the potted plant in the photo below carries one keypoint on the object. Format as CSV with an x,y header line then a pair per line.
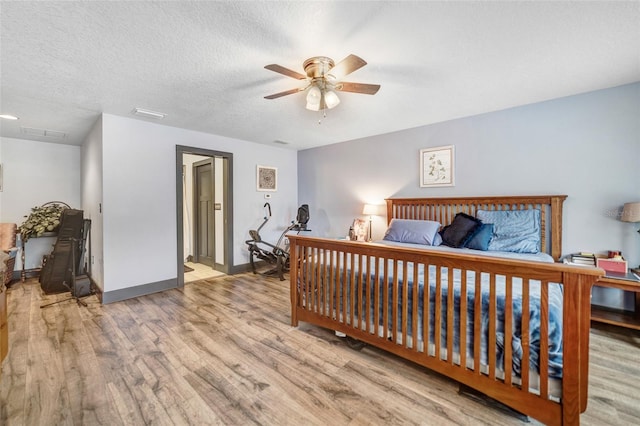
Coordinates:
x,y
45,218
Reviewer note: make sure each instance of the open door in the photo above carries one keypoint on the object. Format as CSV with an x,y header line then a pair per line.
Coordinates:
x,y
204,195
204,230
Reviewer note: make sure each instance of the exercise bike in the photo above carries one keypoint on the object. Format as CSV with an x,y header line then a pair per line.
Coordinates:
x,y
275,254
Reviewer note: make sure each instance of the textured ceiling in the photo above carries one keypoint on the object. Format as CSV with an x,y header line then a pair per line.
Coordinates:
x,y
64,63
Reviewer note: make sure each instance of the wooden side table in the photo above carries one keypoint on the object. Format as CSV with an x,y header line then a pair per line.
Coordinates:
x,y
619,317
34,272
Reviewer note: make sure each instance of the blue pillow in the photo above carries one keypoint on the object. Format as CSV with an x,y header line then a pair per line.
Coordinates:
x,y
517,231
481,238
412,231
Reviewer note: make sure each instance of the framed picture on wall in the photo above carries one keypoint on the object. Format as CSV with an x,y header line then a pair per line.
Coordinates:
x,y
436,166
267,178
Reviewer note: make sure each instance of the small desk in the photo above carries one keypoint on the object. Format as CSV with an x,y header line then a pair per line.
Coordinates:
x,y
33,271
619,317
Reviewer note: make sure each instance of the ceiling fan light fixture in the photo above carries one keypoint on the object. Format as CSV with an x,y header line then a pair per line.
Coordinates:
x,y
324,76
331,99
314,97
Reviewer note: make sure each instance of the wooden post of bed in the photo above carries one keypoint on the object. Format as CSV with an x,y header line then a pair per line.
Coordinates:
x,y
577,290
293,272
556,228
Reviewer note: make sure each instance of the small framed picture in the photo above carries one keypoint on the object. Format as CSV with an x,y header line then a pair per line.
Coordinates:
x,y
436,166
360,229
267,178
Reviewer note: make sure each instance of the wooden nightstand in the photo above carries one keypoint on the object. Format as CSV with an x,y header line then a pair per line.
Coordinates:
x,y
619,317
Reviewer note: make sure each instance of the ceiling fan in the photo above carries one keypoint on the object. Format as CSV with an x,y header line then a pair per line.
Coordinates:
x,y
323,77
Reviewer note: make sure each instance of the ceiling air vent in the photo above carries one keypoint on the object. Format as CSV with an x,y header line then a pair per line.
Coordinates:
x,y
43,133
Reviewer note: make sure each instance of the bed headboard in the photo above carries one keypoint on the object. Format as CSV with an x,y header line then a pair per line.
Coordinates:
x,y
443,210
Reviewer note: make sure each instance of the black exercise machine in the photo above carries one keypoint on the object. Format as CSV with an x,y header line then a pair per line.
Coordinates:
x,y
275,254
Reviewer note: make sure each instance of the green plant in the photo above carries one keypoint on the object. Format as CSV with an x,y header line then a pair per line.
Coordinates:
x,y
45,218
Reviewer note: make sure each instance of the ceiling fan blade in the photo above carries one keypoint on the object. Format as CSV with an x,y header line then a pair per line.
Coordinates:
x,y
280,94
348,65
286,71
367,89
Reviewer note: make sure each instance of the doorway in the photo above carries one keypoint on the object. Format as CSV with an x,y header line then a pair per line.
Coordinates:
x,y
204,211
204,223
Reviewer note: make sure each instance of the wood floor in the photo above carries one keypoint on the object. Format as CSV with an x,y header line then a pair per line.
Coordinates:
x,y
222,351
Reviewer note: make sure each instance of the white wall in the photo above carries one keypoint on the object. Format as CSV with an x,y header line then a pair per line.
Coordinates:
x,y
585,146
188,160
92,198
36,173
139,197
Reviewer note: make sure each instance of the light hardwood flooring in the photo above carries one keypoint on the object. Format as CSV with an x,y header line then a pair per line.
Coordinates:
x,y
221,351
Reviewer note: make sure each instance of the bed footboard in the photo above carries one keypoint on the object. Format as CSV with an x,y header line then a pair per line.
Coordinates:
x,y
514,330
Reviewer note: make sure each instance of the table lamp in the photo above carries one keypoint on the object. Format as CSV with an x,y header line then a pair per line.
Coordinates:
x,y
370,210
631,213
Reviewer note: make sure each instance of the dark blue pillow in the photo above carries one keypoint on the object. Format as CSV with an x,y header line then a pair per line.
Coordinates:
x,y
458,233
481,238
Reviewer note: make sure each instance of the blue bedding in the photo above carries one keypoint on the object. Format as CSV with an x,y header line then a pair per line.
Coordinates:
x,y
555,309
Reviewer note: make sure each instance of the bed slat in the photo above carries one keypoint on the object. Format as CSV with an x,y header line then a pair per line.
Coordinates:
x,y
450,309
492,326
508,329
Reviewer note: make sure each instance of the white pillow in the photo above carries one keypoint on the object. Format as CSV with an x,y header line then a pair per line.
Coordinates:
x,y
413,231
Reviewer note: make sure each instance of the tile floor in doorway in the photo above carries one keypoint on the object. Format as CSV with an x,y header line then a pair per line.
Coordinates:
x,y
200,272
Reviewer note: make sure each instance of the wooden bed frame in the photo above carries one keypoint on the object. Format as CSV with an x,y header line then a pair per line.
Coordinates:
x,y
317,265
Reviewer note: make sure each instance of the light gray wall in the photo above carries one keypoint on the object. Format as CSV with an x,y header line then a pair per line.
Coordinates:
x,y
139,197
92,199
36,173
585,146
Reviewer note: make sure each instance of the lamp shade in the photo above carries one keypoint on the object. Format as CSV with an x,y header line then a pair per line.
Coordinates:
x,y
370,210
314,96
631,212
331,99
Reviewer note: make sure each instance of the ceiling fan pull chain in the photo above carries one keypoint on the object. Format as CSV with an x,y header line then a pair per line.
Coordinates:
x,y
324,115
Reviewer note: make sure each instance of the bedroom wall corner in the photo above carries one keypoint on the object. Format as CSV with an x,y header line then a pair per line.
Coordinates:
x,y
35,173
139,197
91,172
